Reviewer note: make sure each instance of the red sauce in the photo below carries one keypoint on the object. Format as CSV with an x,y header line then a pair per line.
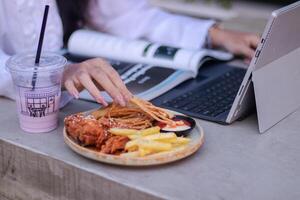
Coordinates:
x,y
162,125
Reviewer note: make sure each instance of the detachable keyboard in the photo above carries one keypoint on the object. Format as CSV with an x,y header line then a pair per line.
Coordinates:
x,y
210,99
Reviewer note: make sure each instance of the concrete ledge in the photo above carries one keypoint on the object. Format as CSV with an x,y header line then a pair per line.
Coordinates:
x,y
27,175
235,162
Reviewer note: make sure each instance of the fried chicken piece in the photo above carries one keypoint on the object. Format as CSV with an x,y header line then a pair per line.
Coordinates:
x,y
115,145
101,140
87,130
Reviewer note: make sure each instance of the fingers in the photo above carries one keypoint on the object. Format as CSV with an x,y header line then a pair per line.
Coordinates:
x,y
239,43
247,61
247,52
254,41
248,44
243,50
69,85
87,82
114,77
109,87
247,48
117,81
92,75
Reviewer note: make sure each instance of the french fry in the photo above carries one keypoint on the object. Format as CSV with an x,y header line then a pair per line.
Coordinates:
x,y
123,131
134,148
128,132
144,152
150,131
131,145
99,113
149,141
161,137
180,141
134,137
154,145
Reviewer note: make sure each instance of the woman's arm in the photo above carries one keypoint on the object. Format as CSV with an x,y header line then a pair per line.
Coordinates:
x,y
137,19
6,84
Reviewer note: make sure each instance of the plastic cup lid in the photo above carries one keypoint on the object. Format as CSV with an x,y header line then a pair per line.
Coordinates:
x,y
24,62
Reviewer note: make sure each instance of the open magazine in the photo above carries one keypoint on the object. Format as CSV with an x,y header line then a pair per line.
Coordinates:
x,y
148,69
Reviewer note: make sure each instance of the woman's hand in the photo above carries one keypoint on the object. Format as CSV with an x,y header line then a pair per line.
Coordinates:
x,y
95,75
238,43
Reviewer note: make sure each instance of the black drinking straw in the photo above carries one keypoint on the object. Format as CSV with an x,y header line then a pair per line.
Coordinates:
x,y
39,49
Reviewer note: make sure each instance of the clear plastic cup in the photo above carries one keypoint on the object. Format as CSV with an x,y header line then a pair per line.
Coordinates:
x,y
37,106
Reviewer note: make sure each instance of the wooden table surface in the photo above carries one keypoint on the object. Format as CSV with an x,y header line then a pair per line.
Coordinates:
x,y
236,162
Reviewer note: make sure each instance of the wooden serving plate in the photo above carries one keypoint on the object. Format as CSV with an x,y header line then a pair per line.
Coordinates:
x,y
196,135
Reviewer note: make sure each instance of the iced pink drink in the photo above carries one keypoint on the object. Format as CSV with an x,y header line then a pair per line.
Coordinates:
x,y
37,98
38,113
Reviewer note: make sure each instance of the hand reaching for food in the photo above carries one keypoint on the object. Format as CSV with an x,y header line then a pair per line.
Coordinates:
x,y
96,75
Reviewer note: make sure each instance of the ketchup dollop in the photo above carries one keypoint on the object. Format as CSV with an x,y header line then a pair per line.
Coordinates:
x,y
182,122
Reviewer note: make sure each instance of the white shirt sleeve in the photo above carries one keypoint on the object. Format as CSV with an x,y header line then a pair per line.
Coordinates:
x,y
20,23
6,84
137,19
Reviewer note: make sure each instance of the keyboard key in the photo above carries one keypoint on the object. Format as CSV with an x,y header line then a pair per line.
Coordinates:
x,y
190,106
205,112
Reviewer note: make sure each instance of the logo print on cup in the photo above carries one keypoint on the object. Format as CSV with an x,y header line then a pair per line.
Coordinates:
x,y
39,105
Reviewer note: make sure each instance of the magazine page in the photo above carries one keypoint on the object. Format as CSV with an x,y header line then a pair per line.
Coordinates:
x,y
95,44
143,80
147,86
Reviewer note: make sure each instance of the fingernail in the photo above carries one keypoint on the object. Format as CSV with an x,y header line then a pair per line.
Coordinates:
x,y
75,95
121,101
100,100
131,96
126,98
